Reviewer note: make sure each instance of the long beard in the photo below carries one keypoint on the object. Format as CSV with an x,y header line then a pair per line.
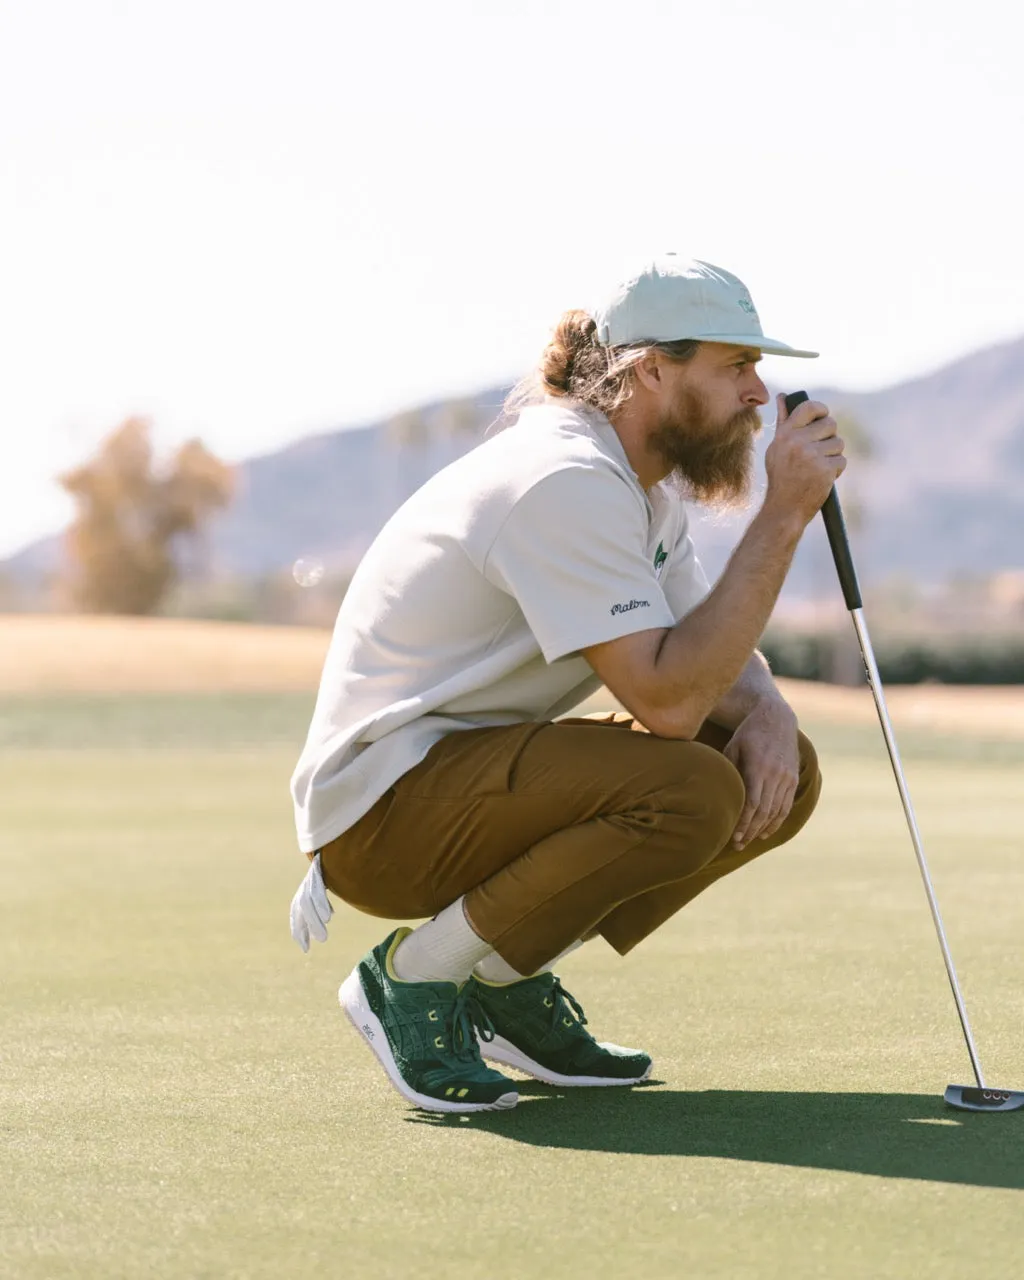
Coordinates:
x,y
710,462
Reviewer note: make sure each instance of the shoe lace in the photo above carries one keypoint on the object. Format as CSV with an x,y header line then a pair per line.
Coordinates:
x,y
559,999
467,1011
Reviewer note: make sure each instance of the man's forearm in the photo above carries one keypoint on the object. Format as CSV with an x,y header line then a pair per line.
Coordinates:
x,y
703,657
753,689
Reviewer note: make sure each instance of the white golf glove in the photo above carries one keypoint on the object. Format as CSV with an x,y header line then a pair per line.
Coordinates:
x,y
310,909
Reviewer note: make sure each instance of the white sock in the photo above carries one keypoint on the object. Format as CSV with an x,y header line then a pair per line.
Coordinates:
x,y
493,969
444,949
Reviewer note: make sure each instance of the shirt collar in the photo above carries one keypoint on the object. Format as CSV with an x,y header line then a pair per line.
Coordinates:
x,y
596,422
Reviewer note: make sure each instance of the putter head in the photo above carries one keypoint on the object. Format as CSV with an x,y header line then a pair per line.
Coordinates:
x,y
968,1097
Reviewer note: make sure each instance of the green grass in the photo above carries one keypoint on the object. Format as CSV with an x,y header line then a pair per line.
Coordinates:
x,y
180,1097
143,721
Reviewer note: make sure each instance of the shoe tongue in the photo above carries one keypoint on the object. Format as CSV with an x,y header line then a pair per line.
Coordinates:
x,y
445,990
542,981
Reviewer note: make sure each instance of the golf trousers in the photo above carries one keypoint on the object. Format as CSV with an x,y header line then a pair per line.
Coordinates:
x,y
556,831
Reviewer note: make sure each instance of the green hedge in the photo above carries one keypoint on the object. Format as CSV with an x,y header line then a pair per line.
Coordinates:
x,y
946,659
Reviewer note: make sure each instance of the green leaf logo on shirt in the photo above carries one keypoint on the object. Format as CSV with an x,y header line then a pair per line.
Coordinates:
x,y
660,556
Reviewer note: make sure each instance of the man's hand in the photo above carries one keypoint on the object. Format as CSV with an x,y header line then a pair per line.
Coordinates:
x,y
804,459
766,752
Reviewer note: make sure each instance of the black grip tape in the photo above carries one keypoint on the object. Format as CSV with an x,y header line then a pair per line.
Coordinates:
x,y
835,527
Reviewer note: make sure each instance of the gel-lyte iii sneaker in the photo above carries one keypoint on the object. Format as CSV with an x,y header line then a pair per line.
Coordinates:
x,y
539,1028
422,1033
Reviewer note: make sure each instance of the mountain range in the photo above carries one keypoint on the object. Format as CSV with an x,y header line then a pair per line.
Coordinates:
x,y
940,495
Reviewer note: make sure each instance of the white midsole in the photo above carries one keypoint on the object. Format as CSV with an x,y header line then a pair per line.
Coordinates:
x,y
504,1051
352,999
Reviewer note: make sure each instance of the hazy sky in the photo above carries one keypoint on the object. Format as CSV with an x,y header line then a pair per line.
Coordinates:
x,y
254,220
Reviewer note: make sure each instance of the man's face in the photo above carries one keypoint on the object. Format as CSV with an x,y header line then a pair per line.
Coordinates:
x,y
709,420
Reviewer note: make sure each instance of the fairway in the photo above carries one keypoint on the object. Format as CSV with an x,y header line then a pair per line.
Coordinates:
x,y
181,1096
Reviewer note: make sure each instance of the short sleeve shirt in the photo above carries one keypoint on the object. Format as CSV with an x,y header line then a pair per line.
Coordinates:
x,y
473,603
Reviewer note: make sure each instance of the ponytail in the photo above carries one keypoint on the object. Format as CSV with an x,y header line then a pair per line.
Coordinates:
x,y
576,366
573,360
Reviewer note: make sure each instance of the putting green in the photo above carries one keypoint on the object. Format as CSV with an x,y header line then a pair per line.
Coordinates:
x,y
180,1096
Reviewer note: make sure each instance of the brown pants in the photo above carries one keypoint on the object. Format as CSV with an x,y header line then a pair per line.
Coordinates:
x,y
555,831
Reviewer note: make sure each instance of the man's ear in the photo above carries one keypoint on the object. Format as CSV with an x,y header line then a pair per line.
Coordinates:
x,y
648,371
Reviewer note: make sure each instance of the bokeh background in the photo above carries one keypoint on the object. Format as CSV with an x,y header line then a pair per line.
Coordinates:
x,y
263,268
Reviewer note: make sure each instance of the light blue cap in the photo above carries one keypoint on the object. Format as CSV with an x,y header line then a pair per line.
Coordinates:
x,y
671,298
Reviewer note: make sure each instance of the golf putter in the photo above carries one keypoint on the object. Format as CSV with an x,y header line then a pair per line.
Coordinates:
x,y
979,1096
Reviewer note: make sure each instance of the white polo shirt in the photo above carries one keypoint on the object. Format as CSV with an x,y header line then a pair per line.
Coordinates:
x,y
472,604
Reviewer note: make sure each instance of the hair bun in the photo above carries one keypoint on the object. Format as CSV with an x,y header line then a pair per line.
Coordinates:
x,y
574,337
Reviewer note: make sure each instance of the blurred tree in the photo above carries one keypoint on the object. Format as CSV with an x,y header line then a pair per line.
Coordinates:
x,y
459,417
408,427
120,546
407,436
859,448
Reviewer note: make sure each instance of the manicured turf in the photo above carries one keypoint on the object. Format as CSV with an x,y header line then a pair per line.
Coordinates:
x,y
180,1096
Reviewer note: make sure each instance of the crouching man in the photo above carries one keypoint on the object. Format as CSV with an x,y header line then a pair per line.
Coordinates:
x,y
438,778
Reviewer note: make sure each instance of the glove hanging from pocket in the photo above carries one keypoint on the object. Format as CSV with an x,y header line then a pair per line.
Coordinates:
x,y
311,911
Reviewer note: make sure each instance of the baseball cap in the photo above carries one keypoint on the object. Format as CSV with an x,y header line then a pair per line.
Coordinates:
x,y
671,298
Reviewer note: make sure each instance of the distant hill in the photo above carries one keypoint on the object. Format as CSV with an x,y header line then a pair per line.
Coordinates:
x,y
942,495
324,496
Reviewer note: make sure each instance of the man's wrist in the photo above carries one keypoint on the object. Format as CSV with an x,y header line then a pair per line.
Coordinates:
x,y
773,707
782,522
754,692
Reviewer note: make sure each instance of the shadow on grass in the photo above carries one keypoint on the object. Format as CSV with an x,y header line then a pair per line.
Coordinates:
x,y
890,1135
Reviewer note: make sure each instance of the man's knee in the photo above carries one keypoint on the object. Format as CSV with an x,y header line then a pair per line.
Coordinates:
x,y
724,793
808,787
805,800
810,770
703,804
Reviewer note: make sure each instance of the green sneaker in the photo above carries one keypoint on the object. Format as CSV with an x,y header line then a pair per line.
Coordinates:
x,y
540,1029
422,1032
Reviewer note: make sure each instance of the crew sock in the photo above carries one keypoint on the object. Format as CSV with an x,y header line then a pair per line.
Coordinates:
x,y
493,969
444,949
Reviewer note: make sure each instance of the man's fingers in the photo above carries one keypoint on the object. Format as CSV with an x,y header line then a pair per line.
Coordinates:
x,y
822,429
783,810
763,814
810,411
811,419
777,811
777,798
755,789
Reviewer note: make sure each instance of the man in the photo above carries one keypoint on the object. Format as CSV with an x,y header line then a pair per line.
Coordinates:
x,y
438,779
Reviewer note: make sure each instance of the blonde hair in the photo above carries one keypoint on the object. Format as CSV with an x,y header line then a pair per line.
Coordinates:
x,y
575,365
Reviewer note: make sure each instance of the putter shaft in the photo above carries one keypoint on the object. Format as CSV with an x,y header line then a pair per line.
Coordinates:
x,y
875,681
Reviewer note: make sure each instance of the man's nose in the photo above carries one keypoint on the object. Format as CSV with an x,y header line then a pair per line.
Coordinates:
x,y
756,392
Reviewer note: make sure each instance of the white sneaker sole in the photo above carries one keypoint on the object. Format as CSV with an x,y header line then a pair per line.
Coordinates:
x,y
352,999
501,1050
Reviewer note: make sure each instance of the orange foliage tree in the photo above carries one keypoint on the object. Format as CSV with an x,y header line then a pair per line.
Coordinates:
x,y
120,546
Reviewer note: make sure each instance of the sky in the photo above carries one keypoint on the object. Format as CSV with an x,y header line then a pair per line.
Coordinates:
x,y
256,221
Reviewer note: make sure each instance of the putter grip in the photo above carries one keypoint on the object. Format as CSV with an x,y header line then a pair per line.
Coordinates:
x,y
835,527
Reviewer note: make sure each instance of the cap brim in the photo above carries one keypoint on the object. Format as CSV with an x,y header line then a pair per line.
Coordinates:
x,y
770,346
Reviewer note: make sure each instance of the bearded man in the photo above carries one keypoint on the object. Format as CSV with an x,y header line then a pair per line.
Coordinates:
x,y
438,778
